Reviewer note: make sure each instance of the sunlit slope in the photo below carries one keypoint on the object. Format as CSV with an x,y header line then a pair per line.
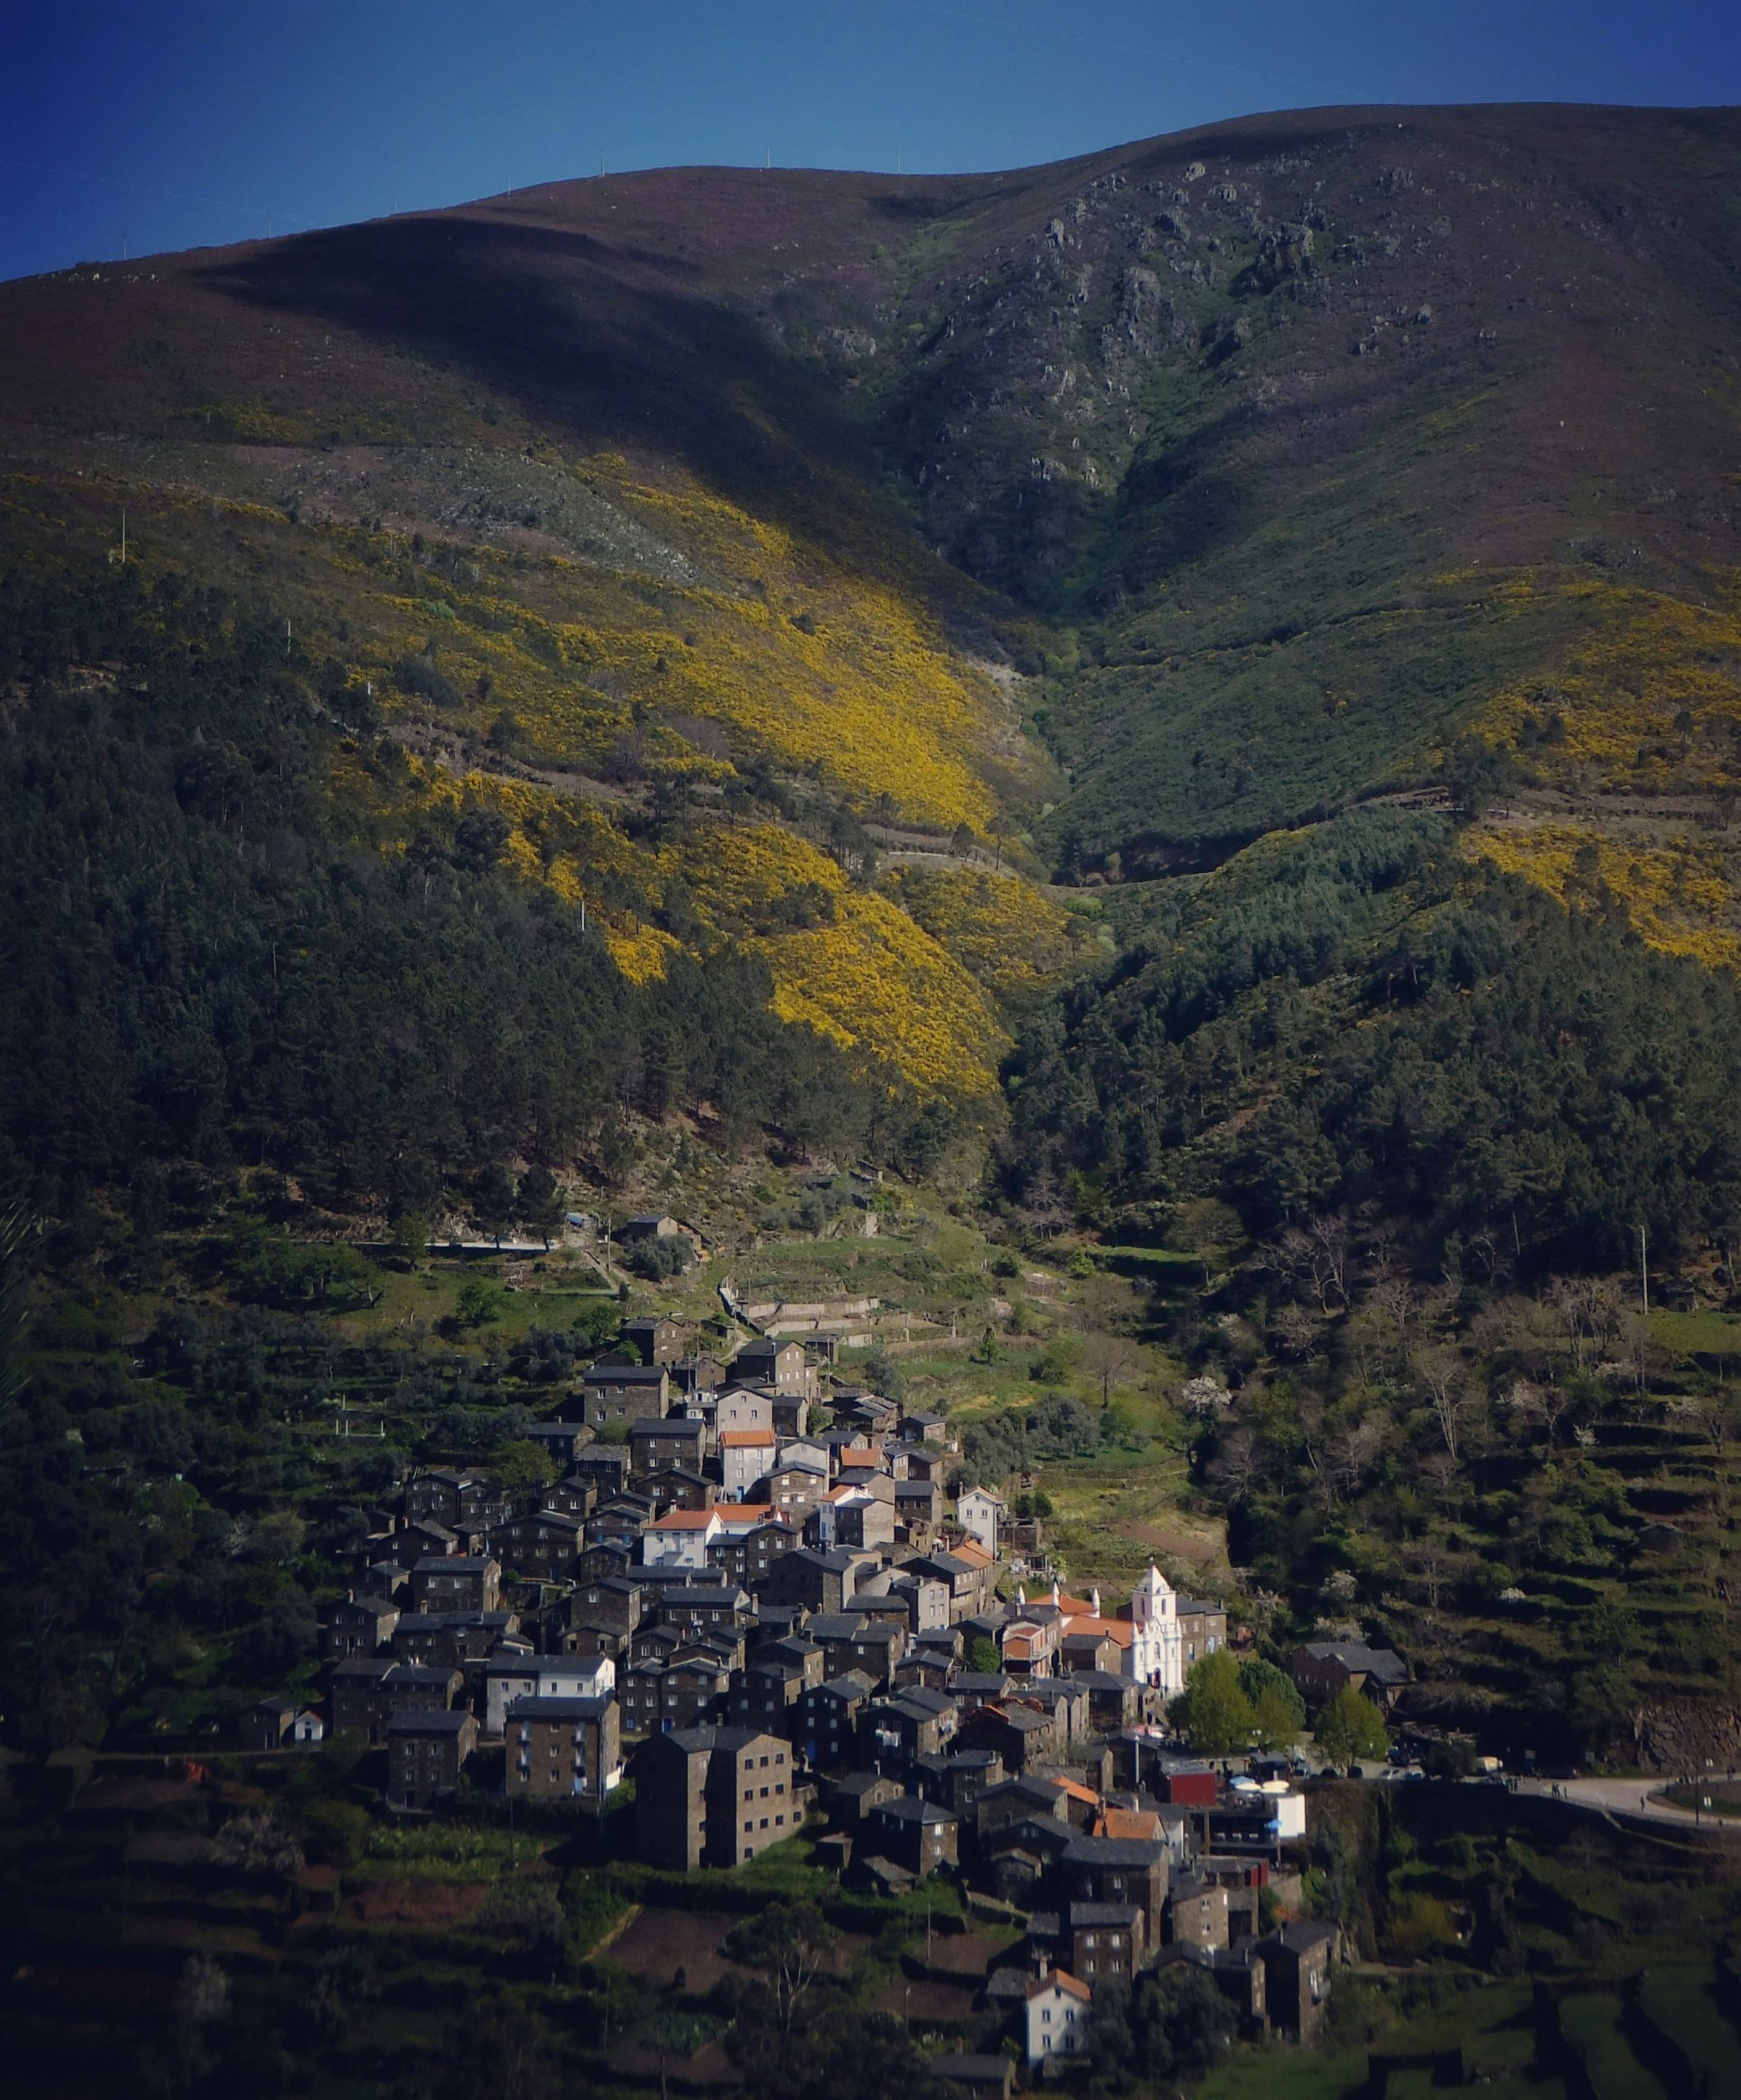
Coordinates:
x,y
1257,469
652,659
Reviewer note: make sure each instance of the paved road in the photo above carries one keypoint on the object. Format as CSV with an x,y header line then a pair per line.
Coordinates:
x,y
1635,1798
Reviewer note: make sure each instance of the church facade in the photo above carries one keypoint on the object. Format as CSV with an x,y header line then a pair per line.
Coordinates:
x,y
1157,1650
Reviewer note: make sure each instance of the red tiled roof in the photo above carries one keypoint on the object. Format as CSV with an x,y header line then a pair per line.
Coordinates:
x,y
1142,1824
1064,1982
1119,1630
743,1514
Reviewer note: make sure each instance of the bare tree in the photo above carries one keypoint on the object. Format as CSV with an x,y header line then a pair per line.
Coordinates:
x,y
1296,1330
1352,1446
1235,1470
1444,1378
1331,1254
1538,1406
1436,1568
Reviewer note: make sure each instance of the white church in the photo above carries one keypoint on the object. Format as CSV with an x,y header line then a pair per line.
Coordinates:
x,y
1149,1640
1157,1650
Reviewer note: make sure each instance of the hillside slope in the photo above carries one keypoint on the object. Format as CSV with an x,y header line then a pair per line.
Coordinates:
x,y
1255,469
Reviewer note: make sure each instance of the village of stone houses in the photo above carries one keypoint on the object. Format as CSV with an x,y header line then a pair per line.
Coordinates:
x,y
750,1611
742,1717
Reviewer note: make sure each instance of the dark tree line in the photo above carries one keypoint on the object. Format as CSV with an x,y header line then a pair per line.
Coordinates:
x,y
208,959
1368,1029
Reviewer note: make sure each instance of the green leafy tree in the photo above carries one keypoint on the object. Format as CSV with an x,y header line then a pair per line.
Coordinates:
x,y
408,1237
1277,1719
1278,1711
983,1655
598,1322
1350,1730
1218,1716
1204,1226
1168,2026
477,1303
522,1465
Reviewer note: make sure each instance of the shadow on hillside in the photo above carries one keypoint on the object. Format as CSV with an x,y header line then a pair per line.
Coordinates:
x,y
615,344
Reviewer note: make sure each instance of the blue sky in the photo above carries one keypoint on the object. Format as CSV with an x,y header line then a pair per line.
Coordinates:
x,y
175,124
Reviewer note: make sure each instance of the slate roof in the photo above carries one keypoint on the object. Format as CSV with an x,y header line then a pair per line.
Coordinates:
x,y
559,1706
1114,1851
910,1809
444,1721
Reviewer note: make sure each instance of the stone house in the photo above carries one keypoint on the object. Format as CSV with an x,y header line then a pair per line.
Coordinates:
x,y
358,1626
426,1751
826,1719
820,1581
712,1796
660,1443
895,1733
1100,1943
461,1501
1119,1871
1203,1629
849,1642
753,1537
1197,1914
564,1748
1021,1735
914,1833
545,1545
456,1582
653,1340
744,1407
784,1365
1321,1668
1297,1962
621,1393
451,1640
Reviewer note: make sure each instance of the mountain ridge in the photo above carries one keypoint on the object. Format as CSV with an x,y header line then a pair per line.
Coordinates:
x,y
1234,457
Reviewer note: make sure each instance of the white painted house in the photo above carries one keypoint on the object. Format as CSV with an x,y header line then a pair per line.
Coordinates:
x,y
680,1538
746,1456
508,1678
981,1515
1056,2017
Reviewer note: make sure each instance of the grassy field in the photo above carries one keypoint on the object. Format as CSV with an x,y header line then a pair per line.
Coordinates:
x,y
1283,2074
1592,2023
